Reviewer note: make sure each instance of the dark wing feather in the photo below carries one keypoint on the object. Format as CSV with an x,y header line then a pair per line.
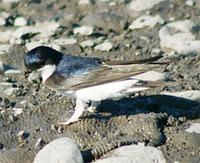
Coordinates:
x,y
103,74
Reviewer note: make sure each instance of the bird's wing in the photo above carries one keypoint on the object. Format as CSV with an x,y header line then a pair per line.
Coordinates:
x,y
107,72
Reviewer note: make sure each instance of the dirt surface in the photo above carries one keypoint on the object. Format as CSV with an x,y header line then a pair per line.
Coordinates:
x,y
157,120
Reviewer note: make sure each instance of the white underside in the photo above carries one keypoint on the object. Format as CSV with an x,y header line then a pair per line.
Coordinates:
x,y
112,90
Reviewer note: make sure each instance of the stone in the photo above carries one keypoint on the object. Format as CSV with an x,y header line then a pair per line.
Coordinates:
x,y
105,46
87,43
10,91
60,150
12,72
194,128
3,16
40,143
133,154
84,2
190,94
146,21
178,36
84,30
140,5
151,76
20,21
2,67
43,30
4,48
190,3
65,41
33,76
17,111
5,36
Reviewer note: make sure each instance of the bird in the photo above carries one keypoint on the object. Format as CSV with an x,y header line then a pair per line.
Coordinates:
x,y
88,80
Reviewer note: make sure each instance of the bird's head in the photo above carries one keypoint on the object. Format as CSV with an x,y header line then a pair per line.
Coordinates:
x,y
42,59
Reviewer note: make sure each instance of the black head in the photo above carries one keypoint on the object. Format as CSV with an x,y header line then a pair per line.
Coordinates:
x,y
41,56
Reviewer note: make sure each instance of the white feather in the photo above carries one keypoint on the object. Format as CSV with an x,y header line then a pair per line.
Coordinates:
x,y
47,71
111,90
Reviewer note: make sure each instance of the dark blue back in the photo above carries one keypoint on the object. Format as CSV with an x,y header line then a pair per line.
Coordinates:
x,y
76,65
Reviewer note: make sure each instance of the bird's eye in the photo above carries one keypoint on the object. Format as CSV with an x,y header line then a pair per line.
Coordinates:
x,y
40,64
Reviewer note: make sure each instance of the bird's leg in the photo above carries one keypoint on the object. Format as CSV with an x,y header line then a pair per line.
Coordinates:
x,y
79,109
93,106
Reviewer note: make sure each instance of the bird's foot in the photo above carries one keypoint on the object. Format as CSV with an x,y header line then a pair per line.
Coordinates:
x,y
80,107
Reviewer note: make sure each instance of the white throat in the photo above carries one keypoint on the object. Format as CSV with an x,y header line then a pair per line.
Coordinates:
x,y
47,71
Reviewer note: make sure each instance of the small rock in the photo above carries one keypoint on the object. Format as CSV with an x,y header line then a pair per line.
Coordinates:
x,y
67,41
22,135
2,67
156,51
105,46
17,111
40,143
191,94
151,76
84,2
5,36
190,3
146,20
60,150
10,91
178,36
87,43
12,72
84,30
4,48
133,154
140,5
195,127
20,21
3,16
33,76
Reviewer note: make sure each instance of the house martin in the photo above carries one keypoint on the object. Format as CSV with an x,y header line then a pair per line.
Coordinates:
x,y
89,80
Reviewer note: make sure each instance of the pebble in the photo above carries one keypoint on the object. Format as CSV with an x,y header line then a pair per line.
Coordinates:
x,y
84,30
10,91
194,128
3,16
151,76
22,135
17,111
65,41
190,3
146,21
140,5
5,36
20,21
2,67
87,43
84,2
177,36
12,72
4,48
60,150
105,46
43,30
133,154
33,76
40,143
190,94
